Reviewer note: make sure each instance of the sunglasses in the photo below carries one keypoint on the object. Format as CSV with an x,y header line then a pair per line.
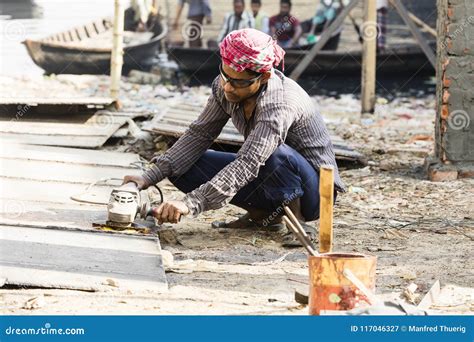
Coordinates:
x,y
235,82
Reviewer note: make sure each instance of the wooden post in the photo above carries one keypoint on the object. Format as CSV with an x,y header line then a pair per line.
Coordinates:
x,y
301,67
414,30
116,60
369,56
326,193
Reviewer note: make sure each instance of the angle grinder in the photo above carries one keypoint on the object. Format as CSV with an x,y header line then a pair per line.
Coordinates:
x,y
127,203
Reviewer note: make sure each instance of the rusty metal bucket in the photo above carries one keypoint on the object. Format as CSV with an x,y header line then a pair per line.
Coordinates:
x,y
329,289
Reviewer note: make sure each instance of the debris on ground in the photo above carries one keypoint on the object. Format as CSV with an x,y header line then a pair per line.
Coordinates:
x,y
420,231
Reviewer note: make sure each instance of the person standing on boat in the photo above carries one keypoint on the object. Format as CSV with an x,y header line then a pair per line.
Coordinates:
x,y
197,11
284,27
285,143
262,21
138,14
326,12
382,13
236,20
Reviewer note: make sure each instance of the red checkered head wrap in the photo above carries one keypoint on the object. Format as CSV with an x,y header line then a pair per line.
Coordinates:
x,y
250,49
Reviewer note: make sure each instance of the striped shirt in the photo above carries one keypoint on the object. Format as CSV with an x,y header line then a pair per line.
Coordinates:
x,y
197,7
284,114
232,23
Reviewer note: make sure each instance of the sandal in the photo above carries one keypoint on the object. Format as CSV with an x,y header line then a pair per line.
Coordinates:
x,y
291,241
245,222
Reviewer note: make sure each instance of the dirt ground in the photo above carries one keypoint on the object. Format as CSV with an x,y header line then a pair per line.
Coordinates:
x,y
420,231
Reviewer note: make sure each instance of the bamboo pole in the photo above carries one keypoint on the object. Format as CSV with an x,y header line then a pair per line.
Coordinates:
x,y
116,60
422,24
326,193
369,56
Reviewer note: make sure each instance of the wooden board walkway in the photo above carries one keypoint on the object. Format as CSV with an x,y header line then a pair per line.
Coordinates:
x,y
94,261
47,239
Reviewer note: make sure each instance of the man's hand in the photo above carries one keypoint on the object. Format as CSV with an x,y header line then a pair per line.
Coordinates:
x,y
138,180
170,211
141,27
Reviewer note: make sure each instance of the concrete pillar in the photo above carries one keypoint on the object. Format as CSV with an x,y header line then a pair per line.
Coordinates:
x,y
454,135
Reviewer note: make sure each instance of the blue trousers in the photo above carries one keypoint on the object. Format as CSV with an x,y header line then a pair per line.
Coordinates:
x,y
286,175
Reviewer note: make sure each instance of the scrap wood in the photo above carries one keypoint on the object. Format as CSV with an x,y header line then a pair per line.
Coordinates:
x,y
409,293
395,233
34,303
431,297
276,261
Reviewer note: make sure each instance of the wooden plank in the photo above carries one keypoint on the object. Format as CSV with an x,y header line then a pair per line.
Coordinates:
x,y
322,40
414,30
61,172
78,34
94,133
34,101
326,191
431,297
130,115
52,140
31,188
60,129
79,239
65,259
73,216
67,155
17,189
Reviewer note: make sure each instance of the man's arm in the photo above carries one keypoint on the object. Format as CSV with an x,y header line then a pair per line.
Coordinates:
x,y
266,25
268,134
251,20
298,33
190,147
207,9
271,23
143,11
179,10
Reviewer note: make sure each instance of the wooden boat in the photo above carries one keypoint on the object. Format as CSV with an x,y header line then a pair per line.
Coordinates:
x,y
401,59
87,49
